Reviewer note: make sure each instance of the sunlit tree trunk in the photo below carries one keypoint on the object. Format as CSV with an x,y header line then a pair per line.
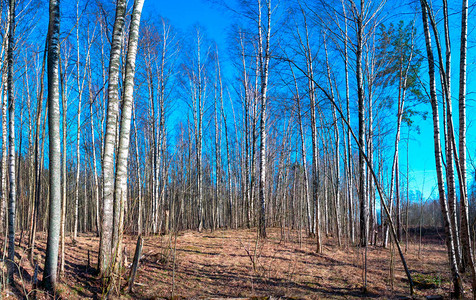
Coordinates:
x,y
51,261
105,246
80,86
38,163
11,143
303,156
93,150
465,235
349,175
138,173
4,95
64,102
314,141
360,95
336,183
120,191
229,213
457,282
450,172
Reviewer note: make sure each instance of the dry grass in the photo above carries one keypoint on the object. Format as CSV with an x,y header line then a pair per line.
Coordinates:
x,y
232,264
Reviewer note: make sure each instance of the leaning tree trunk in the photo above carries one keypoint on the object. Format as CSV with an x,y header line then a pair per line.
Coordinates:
x,y
51,261
457,282
449,143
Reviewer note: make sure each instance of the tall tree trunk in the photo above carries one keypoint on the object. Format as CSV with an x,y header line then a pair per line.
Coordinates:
x,y
360,95
120,191
105,245
449,143
264,57
465,234
38,162
11,143
138,174
336,183
93,150
78,129
4,95
51,261
303,156
457,282
199,104
314,141
349,176
64,102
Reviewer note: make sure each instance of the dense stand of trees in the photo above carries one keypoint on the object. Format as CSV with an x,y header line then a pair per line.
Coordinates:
x,y
298,124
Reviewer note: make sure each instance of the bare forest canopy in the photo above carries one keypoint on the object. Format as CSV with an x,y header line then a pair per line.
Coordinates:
x,y
351,119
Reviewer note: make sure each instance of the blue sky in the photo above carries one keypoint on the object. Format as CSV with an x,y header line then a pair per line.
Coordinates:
x,y
185,13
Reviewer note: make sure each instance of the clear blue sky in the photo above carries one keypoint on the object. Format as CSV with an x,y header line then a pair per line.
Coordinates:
x,y
185,13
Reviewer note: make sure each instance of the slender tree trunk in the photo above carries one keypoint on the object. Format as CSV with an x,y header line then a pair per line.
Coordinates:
x,y
94,162
199,140
78,132
138,174
38,162
314,141
337,154
63,86
303,156
449,149
350,186
264,57
4,95
11,143
457,282
465,234
360,95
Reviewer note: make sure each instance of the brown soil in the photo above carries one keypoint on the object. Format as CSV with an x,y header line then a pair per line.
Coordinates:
x,y
231,263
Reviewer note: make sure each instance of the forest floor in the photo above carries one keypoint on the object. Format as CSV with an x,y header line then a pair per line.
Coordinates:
x,y
231,263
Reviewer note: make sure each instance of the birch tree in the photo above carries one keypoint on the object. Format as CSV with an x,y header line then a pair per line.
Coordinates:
x,y
456,278
264,56
51,261
465,235
4,95
11,142
105,246
120,191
